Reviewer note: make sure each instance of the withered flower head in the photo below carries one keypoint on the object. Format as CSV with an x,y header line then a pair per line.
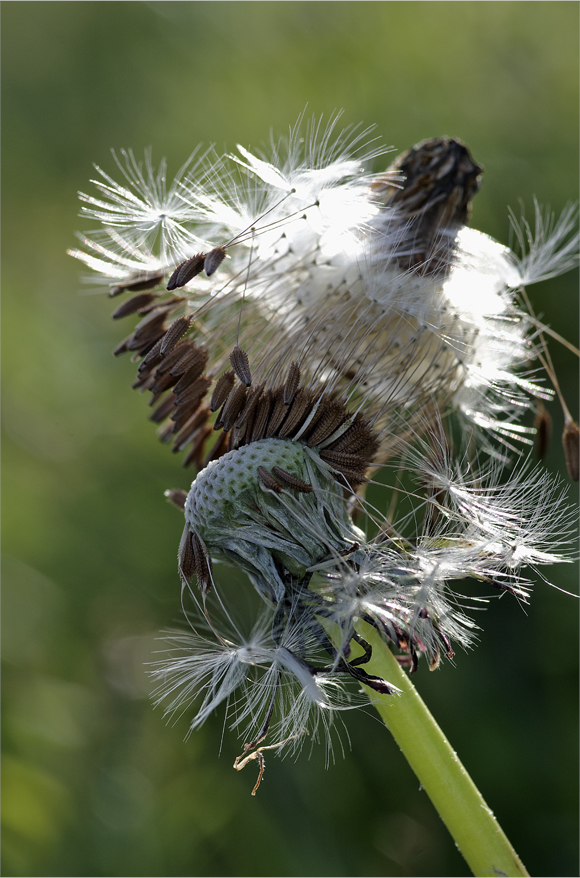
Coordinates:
x,y
322,324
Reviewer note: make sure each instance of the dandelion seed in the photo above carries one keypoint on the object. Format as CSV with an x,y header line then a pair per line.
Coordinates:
x,y
570,441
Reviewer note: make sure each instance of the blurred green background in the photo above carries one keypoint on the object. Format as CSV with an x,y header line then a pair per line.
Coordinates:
x,y
94,780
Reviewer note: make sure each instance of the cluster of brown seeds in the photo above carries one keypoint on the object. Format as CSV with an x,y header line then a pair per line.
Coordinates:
x,y
190,268
172,367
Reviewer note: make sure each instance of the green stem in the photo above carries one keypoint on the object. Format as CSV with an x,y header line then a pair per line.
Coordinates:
x,y
470,821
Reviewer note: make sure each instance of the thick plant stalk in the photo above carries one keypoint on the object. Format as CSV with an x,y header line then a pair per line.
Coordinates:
x,y
470,821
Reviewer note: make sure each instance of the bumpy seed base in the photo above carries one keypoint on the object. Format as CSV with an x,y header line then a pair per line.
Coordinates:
x,y
224,482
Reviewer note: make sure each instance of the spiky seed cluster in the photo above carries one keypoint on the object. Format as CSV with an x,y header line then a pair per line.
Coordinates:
x,y
352,313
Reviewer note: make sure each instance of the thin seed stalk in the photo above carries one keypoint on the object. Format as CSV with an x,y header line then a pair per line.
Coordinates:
x,y
461,806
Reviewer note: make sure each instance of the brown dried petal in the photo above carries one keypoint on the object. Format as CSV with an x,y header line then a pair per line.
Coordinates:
x,y
148,331
165,434
435,660
161,384
341,459
123,347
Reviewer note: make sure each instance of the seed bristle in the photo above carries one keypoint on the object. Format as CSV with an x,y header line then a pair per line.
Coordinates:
x,y
241,365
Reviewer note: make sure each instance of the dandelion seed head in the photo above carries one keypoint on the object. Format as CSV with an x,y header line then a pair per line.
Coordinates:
x,y
337,321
